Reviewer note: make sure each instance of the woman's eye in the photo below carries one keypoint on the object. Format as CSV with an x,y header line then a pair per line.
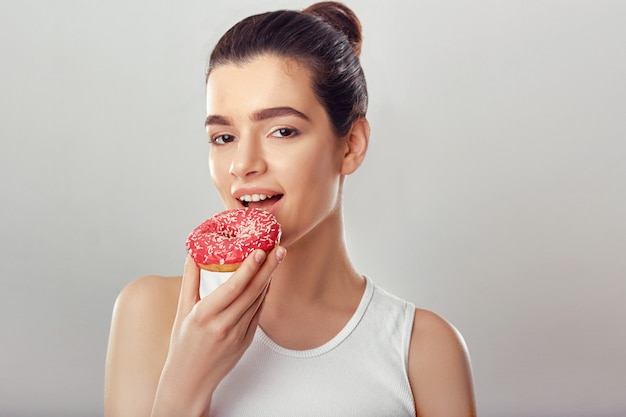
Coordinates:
x,y
284,132
222,139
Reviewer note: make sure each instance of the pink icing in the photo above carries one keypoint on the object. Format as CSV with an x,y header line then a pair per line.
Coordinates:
x,y
230,236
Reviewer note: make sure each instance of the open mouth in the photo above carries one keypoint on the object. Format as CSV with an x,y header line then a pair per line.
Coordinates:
x,y
259,200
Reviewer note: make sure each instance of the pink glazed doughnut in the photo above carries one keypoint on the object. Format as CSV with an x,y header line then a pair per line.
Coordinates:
x,y
222,242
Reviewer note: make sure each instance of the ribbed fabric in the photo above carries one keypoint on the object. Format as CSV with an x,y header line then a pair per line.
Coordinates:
x,y
360,372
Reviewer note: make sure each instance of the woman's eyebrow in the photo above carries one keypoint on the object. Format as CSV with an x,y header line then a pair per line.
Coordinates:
x,y
259,115
214,119
269,113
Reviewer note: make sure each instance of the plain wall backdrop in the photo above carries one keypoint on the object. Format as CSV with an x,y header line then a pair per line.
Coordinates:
x,y
493,193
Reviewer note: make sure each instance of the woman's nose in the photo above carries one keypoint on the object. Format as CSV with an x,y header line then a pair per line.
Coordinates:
x,y
248,159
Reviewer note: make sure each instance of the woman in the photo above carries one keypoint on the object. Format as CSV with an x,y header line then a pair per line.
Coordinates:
x,y
286,105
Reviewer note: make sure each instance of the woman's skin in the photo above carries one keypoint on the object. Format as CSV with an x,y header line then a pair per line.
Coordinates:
x,y
269,136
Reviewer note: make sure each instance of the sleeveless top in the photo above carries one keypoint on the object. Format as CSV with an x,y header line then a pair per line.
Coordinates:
x,y
360,372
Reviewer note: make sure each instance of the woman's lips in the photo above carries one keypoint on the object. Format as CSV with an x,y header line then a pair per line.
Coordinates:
x,y
259,201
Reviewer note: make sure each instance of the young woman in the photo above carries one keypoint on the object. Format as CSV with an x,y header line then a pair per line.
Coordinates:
x,y
286,105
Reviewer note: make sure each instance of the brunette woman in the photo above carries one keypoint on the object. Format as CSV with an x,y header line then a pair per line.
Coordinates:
x,y
286,107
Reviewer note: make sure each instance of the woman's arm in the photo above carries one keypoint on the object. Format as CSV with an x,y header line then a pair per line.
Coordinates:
x,y
169,349
138,343
439,369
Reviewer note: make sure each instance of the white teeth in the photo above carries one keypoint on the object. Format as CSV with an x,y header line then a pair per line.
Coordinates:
x,y
254,197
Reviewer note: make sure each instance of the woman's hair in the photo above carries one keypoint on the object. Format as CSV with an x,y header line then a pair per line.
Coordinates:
x,y
325,37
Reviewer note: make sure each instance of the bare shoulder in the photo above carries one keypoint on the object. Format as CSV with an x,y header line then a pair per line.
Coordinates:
x,y
433,331
147,293
143,316
439,368
146,308
150,301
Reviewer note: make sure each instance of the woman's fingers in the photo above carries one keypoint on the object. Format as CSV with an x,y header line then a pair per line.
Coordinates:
x,y
211,334
243,288
258,291
253,315
237,283
257,287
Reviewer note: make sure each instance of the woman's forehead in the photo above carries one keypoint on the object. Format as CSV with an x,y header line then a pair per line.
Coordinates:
x,y
266,81
266,67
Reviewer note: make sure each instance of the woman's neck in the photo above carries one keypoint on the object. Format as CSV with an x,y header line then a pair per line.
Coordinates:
x,y
317,267
314,291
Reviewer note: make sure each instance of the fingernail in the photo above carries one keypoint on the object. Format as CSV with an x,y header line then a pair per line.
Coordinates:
x,y
280,253
259,256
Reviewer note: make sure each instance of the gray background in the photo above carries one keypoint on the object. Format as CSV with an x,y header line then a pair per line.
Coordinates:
x,y
494,191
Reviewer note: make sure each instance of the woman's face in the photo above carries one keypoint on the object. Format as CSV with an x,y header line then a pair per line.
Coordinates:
x,y
272,144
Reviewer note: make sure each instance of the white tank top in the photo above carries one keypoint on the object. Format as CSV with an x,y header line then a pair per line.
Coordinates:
x,y
360,372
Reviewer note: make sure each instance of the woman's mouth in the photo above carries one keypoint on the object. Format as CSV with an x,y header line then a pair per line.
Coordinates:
x,y
259,200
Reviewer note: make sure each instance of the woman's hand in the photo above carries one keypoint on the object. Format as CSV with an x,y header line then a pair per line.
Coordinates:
x,y
210,335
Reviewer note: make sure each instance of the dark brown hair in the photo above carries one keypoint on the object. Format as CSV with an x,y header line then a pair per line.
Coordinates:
x,y
325,37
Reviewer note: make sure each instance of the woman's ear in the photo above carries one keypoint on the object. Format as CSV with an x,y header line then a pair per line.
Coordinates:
x,y
355,146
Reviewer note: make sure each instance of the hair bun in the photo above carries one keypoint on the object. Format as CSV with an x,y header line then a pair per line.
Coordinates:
x,y
340,17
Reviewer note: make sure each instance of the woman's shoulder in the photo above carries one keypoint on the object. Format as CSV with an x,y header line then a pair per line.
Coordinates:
x,y
150,288
141,325
152,292
152,295
430,327
439,365
147,306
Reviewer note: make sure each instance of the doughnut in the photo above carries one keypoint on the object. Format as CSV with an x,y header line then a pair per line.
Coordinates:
x,y
222,242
